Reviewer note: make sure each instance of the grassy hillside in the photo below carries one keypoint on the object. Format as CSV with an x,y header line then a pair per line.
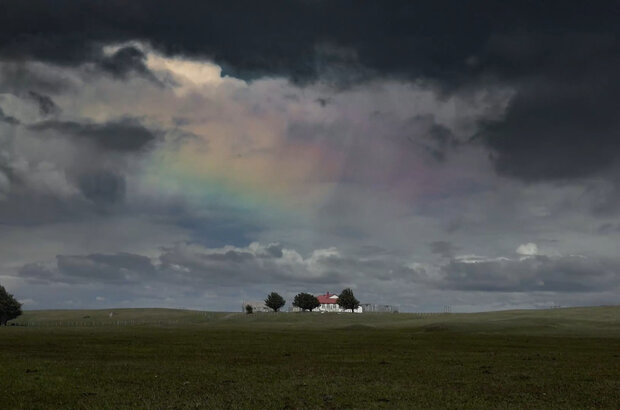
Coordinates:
x,y
177,359
591,321
102,317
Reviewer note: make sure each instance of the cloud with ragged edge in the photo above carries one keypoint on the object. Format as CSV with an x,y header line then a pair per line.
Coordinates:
x,y
263,266
568,273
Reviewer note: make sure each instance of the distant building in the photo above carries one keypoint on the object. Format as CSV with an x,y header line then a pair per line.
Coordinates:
x,y
371,307
257,306
329,303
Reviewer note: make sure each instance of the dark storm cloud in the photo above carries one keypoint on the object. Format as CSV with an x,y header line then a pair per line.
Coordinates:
x,y
563,120
274,250
41,184
103,187
38,273
119,267
47,106
443,248
443,139
435,139
124,135
36,195
538,273
560,58
18,77
608,228
126,61
25,208
560,128
284,38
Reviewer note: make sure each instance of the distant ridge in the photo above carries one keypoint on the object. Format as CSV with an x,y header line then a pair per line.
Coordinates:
x,y
597,321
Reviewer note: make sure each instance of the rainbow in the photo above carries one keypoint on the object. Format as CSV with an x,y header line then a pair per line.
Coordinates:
x,y
287,180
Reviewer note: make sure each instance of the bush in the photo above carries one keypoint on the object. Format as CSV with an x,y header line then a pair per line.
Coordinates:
x,y
10,308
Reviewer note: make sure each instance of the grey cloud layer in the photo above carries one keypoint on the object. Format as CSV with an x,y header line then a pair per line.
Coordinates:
x,y
191,265
54,165
435,129
201,267
531,274
121,268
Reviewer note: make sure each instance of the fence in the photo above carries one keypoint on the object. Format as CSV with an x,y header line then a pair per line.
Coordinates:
x,y
425,314
73,323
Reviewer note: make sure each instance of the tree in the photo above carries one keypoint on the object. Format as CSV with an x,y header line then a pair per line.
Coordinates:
x,y
346,300
274,301
249,309
10,308
306,301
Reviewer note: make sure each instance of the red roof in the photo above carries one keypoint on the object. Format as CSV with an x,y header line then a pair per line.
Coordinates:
x,y
327,299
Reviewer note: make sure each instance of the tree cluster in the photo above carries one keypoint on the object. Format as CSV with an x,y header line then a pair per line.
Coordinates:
x,y
10,308
306,301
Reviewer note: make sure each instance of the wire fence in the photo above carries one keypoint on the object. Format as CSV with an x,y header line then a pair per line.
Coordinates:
x,y
73,323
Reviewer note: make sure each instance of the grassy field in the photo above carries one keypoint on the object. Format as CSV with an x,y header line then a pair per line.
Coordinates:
x,y
158,358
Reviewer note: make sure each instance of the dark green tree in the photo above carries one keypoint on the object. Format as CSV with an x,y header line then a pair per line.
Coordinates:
x,y
10,308
249,309
274,301
346,300
306,301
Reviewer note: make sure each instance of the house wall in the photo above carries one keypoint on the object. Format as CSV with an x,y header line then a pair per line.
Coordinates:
x,y
333,307
257,306
325,307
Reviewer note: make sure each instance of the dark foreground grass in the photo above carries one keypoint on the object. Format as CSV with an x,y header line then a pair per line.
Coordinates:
x,y
244,363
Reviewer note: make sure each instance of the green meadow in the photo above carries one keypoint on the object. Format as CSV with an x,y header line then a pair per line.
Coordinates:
x,y
177,359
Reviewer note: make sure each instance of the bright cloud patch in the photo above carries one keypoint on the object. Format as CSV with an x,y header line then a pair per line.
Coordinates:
x,y
527,249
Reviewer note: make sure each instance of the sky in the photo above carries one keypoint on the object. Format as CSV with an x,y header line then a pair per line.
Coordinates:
x,y
198,154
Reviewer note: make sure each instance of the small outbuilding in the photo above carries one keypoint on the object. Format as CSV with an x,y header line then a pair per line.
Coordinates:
x,y
258,306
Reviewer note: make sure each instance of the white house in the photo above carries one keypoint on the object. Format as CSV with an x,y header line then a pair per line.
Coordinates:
x,y
329,303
